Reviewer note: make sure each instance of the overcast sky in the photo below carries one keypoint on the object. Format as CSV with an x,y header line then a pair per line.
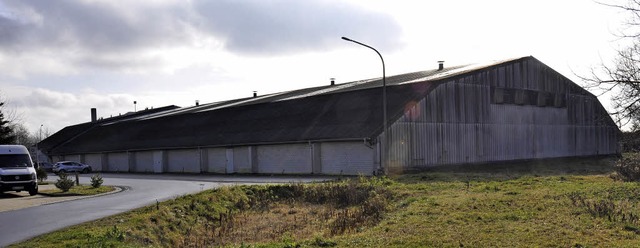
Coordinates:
x,y
60,58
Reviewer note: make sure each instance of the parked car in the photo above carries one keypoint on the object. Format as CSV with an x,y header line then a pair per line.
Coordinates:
x,y
48,167
70,166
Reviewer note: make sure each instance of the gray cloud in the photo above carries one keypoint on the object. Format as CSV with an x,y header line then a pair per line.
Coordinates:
x,y
90,34
272,27
111,34
43,105
91,25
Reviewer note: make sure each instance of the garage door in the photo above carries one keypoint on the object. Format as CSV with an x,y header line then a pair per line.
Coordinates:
x,y
94,160
241,162
347,158
143,162
75,158
118,162
183,161
294,158
217,160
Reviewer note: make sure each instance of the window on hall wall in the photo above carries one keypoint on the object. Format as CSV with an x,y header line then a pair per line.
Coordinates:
x,y
498,96
543,99
523,97
560,101
503,96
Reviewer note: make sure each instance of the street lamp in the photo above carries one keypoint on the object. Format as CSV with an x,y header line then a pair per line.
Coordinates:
x,y
383,155
37,150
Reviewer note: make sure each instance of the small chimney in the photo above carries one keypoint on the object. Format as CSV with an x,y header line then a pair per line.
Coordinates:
x,y
440,65
94,115
255,93
333,81
197,102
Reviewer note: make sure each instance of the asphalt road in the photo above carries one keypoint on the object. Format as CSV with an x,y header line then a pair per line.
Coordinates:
x,y
140,190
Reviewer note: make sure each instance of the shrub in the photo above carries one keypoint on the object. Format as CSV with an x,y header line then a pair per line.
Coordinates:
x,y
64,183
96,180
115,234
628,168
41,174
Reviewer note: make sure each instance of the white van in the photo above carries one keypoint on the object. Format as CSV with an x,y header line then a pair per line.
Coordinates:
x,y
16,170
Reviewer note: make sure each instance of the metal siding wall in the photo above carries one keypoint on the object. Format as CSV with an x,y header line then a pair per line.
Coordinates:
x,y
291,158
144,161
347,158
118,162
94,160
457,123
241,160
217,160
187,160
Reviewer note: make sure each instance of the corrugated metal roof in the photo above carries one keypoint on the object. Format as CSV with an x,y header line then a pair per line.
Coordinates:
x,y
343,111
67,134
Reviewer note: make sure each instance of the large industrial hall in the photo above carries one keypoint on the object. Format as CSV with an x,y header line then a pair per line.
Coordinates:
x,y
515,109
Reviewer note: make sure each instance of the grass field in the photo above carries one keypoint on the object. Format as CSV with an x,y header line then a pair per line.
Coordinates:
x,y
571,203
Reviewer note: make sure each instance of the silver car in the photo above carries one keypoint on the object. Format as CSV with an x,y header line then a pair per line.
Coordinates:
x,y
70,166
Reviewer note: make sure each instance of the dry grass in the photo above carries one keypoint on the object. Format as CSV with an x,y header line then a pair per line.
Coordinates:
x,y
560,204
281,222
239,215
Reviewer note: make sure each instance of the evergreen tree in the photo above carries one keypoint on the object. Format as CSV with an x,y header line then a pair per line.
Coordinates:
x,y
7,136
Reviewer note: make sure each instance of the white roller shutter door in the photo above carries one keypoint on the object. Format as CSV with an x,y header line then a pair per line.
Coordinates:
x,y
217,160
75,158
144,162
288,159
94,160
347,158
183,161
118,162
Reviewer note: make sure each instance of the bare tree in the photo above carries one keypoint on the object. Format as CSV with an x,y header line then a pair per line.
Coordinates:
x,y
622,76
7,136
11,114
23,137
12,131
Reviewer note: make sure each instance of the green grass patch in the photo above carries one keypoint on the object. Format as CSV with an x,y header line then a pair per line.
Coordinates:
x,y
78,191
554,205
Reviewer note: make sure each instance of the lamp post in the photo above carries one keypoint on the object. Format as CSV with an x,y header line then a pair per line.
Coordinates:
x,y
383,148
37,150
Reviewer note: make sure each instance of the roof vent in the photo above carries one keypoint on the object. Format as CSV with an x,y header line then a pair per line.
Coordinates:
x,y
440,65
197,102
94,115
255,93
333,81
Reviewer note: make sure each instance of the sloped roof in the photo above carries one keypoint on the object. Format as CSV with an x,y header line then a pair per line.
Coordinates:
x,y
347,111
68,134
